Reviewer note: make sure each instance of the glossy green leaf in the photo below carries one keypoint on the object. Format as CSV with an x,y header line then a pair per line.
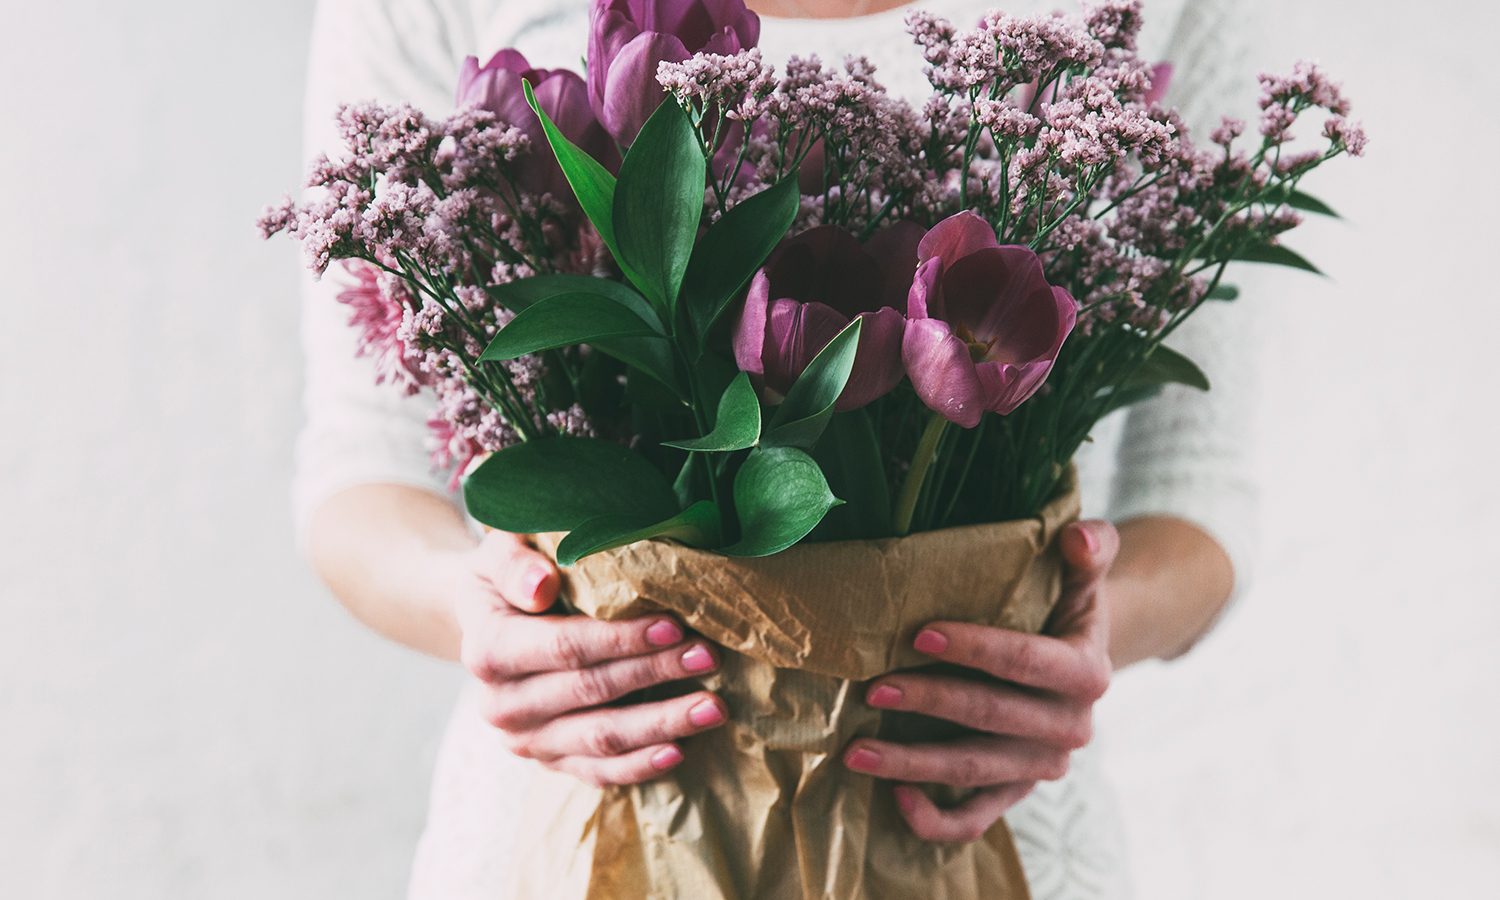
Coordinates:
x,y
696,526
650,354
592,184
1223,292
1167,366
658,203
734,247
1277,255
566,319
780,495
802,416
1309,203
737,424
525,292
557,484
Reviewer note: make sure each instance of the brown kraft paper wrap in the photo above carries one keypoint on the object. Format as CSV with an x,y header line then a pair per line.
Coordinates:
x,y
763,808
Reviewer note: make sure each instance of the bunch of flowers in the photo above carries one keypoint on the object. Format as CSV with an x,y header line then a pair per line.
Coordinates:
x,y
690,297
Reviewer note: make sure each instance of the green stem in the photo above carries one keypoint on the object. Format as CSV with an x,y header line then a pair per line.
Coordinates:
x,y
920,463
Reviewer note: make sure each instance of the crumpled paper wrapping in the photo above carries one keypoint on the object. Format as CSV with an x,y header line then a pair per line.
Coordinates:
x,y
763,807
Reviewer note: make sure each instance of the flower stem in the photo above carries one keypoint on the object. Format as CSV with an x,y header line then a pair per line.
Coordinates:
x,y
920,463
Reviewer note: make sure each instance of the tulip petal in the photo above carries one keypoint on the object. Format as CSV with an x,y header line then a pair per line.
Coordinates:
x,y
942,372
957,236
894,249
925,299
877,363
631,93
795,332
749,336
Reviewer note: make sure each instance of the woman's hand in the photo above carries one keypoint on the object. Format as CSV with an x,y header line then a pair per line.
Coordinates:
x,y
1030,724
548,678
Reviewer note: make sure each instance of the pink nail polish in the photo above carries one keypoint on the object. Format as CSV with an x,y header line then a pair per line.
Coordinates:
x,y
664,633
705,714
862,759
666,758
930,642
1090,541
533,580
697,659
885,695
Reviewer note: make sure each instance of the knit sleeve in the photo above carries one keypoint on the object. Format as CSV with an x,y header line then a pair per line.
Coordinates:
x,y
1189,453
356,431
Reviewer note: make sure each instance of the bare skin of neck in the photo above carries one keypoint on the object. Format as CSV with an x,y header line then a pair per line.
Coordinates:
x,y
821,9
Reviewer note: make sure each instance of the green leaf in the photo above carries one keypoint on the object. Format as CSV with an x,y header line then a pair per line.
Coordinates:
x,y
592,184
696,526
1309,203
780,495
524,292
1167,366
734,247
557,484
802,416
658,203
1127,396
1275,254
737,425
1223,292
651,354
566,319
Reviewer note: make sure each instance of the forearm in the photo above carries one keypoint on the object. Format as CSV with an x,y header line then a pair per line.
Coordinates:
x,y
1165,589
389,553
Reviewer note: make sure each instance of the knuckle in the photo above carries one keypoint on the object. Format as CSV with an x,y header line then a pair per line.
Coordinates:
x,y
966,771
607,741
519,745
1096,681
480,662
594,686
1080,732
1055,766
566,648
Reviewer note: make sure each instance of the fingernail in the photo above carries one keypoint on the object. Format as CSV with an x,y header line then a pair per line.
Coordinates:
x,y
930,642
705,714
904,798
533,580
697,659
884,695
1090,540
664,633
666,758
865,760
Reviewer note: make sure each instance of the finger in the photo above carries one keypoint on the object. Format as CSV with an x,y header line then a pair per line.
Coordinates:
x,y
965,762
505,647
1089,548
614,732
963,823
631,768
995,708
527,703
525,579
1077,669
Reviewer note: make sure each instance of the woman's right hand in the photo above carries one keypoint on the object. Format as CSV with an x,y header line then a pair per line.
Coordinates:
x,y
547,678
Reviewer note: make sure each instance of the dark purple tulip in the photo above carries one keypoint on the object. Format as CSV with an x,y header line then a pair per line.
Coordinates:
x,y
561,94
983,326
629,38
809,290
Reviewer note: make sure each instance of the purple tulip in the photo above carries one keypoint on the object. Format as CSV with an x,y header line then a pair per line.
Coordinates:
x,y
812,286
983,326
561,94
629,38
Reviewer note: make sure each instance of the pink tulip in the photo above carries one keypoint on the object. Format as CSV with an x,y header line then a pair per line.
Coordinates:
x,y
629,38
983,326
561,94
809,290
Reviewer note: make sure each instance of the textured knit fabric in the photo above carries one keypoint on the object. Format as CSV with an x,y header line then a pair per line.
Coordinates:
x,y
1185,454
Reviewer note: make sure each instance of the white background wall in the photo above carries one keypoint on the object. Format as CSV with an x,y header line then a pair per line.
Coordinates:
x,y
185,713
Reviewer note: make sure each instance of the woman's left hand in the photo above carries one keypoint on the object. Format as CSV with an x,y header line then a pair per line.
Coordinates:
x,y
1029,725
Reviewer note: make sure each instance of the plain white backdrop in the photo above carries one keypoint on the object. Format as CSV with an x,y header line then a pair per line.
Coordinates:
x,y
184,712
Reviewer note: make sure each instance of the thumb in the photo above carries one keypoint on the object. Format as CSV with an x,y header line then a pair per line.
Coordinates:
x,y
526,579
1088,548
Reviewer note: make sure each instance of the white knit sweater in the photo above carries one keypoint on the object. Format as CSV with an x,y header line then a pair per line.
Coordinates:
x,y
1185,454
